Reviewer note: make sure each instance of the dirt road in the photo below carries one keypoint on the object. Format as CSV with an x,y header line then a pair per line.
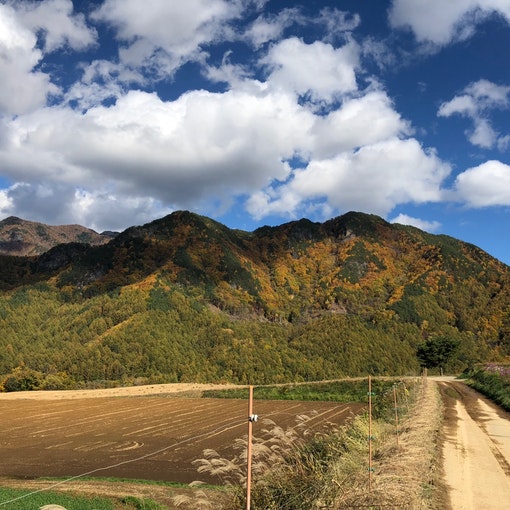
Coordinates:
x,y
476,450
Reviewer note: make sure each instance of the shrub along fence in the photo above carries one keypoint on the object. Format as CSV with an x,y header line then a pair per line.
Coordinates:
x,y
492,380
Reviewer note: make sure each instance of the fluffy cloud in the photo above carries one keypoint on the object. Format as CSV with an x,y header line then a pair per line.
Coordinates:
x,y
108,211
159,35
234,143
174,26
58,24
270,27
62,204
441,22
296,131
6,204
317,70
428,226
181,151
374,179
204,149
485,185
477,102
360,121
22,89
50,199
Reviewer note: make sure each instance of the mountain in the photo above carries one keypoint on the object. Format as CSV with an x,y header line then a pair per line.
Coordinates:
x,y
184,298
27,238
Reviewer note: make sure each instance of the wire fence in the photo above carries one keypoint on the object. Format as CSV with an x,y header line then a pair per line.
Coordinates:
x,y
391,404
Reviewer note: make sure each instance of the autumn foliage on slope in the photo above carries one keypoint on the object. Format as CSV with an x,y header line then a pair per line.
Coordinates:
x,y
185,298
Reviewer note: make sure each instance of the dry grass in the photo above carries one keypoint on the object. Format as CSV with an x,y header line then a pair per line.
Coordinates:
x,y
407,476
405,473
297,470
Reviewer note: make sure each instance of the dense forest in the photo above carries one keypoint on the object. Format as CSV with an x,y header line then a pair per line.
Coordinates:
x,y
184,298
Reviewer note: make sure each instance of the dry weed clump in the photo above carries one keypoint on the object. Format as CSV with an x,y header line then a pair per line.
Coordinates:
x,y
297,469
287,466
407,475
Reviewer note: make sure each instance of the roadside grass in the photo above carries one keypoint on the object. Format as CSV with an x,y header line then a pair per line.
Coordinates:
x,y
295,469
492,381
408,474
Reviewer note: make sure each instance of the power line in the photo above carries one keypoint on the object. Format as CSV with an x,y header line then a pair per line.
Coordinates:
x,y
223,427
142,457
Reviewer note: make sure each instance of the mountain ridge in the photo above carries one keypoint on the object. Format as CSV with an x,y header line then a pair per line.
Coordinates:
x,y
21,237
186,298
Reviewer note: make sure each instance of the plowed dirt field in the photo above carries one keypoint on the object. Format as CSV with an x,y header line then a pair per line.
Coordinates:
x,y
153,437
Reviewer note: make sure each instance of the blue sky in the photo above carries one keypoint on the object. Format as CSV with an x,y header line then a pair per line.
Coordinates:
x,y
253,112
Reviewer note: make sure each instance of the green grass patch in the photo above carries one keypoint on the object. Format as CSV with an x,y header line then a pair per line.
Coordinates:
x,y
112,479
492,385
14,499
24,499
452,393
142,504
349,391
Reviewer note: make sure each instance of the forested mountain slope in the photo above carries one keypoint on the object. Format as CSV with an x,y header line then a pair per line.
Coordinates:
x,y
185,298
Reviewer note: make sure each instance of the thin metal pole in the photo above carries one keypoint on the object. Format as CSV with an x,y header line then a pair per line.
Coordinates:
x,y
369,433
249,450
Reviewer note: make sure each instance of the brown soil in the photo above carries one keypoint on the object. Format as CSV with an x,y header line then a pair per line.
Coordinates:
x,y
133,433
185,389
476,450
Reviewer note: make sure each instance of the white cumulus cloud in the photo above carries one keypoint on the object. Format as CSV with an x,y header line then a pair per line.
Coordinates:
x,y
485,185
159,35
201,144
442,22
477,101
270,27
428,226
59,26
294,127
374,179
319,70
22,88
360,121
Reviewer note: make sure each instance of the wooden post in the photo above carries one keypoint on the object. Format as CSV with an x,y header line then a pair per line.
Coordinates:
x,y
396,411
249,449
369,433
